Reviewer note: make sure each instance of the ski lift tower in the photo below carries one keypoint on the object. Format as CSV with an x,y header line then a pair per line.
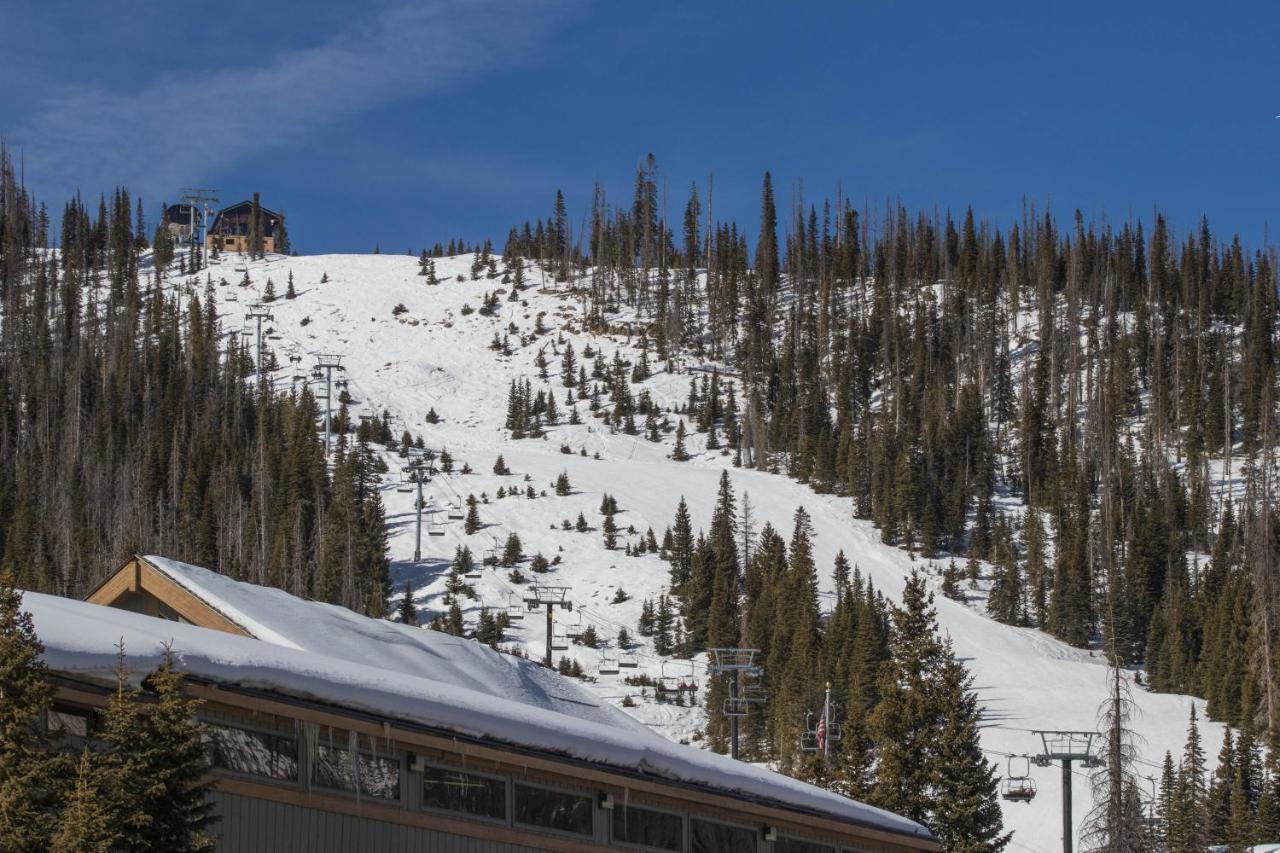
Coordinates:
x,y
733,663
420,469
551,597
259,312
198,199
1067,747
328,363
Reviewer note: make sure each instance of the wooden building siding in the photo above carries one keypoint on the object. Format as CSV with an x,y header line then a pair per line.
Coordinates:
x,y
236,243
142,588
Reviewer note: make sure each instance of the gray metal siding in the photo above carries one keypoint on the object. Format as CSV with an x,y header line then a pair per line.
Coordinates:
x,y
251,825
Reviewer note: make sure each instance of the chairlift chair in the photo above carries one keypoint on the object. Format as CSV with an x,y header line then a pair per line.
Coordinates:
x,y
515,610
809,737
1018,790
559,641
574,631
627,660
677,676
435,527
1018,786
608,665
492,556
233,297
455,510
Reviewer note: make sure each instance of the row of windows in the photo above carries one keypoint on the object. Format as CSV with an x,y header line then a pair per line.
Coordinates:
x,y
275,756
485,796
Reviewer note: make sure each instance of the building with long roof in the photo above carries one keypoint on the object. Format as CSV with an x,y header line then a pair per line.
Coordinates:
x,y
332,731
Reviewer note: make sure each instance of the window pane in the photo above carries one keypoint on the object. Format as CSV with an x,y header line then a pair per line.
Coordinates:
x,y
798,845
464,792
553,809
711,837
66,721
649,828
256,753
373,777
380,777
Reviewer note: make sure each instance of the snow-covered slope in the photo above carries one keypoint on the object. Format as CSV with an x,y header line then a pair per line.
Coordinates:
x,y
432,356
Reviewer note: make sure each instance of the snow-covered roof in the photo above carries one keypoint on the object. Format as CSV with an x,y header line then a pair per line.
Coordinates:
x,y
478,693
275,616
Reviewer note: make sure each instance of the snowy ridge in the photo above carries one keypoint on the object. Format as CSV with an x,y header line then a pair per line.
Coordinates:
x,y
79,639
435,356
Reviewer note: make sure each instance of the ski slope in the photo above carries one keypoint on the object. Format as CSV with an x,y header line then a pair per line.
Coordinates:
x,y
432,356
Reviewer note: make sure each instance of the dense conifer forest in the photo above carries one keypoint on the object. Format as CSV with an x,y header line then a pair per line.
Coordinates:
x,y
1077,418
129,423
1089,408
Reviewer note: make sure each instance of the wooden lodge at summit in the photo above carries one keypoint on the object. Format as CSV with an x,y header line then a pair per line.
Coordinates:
x,y
333,731
243,227
237,227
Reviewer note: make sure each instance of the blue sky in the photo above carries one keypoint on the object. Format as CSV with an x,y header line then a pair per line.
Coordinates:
x,y
401,122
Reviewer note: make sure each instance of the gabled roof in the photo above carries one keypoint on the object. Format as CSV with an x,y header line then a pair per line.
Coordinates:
x,y
239,206
276,642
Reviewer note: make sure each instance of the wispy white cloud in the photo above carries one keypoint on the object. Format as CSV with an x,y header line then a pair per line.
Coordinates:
x,y
183,127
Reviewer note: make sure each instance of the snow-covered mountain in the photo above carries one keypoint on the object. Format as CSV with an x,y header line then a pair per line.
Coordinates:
x,y
411,348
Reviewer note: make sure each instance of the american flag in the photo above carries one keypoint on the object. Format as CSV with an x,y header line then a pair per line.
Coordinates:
x,y
822,733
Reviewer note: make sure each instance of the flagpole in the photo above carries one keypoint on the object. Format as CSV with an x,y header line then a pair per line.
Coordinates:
x,y
826,722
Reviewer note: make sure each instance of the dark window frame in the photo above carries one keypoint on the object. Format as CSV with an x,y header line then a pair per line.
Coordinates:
x,y
620,807
820,846
589,796
92,722
508,795
754,831
298,741
313,760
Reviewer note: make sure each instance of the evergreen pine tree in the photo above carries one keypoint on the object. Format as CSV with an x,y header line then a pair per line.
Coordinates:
x,y
472,523
679,454
967,816
86,823
408,612
29,776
